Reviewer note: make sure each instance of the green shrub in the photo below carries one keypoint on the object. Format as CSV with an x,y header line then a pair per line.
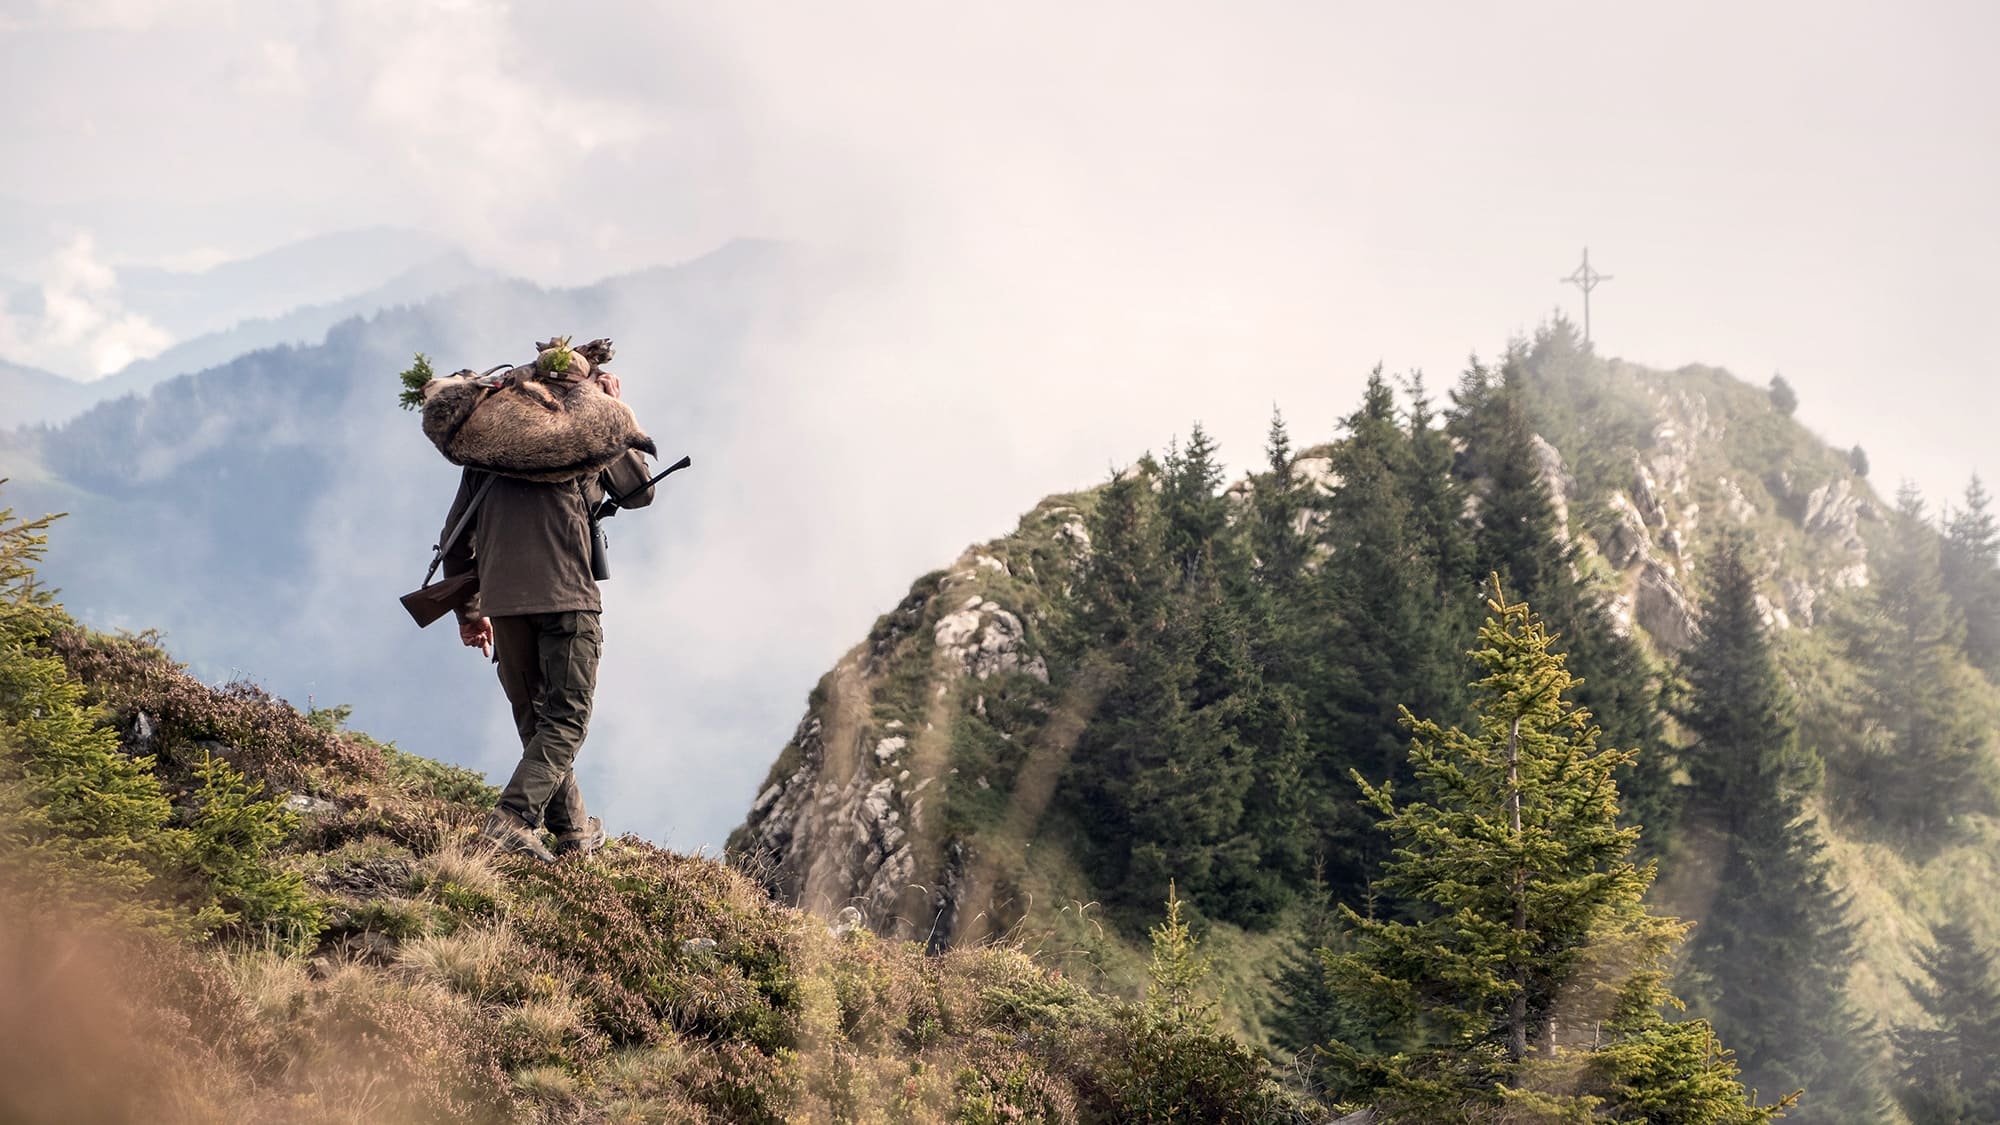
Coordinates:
x,y
228,859
424,777
80,822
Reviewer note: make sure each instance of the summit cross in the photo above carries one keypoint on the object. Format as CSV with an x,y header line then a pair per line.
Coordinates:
x,y
1585,279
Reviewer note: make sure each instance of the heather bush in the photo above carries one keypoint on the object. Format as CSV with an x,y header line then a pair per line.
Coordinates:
x,y
624,925
174,716
371,1047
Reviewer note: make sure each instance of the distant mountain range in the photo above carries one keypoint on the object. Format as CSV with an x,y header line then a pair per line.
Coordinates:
x,y
315,271
291,295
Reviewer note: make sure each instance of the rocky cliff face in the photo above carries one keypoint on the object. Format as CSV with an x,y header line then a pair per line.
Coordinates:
x,y
858,812
914,783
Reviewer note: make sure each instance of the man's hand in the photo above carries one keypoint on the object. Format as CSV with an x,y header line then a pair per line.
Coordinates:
x,y
609,382
477,634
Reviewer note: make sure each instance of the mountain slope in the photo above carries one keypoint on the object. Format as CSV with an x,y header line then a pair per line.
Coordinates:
x,y
34,396
918,787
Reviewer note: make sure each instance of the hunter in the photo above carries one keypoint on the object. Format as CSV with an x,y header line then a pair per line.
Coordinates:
x,y
536,614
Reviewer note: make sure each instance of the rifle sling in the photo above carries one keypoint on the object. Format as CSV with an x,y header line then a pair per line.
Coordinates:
x,y
457,529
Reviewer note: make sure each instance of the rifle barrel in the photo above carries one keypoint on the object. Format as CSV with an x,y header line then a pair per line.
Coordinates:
x,y
610,503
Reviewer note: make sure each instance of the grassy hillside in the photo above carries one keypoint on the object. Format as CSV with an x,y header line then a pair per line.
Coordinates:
x,y
318,938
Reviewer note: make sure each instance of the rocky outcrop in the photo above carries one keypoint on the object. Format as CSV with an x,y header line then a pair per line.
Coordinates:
x,y
828,841
1627,542
1734,501
1663,609
982,640
1557,479
848,817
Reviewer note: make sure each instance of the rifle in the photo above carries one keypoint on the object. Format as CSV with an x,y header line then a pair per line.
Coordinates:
x,y
429,602
600,547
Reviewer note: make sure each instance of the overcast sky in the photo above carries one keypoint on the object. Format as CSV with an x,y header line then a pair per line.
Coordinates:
x,y
1091,223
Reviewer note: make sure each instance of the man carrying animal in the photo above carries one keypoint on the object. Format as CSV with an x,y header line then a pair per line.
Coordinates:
x,y
537,607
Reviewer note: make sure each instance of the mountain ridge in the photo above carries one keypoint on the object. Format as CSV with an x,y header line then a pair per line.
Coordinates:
x,y
1644,467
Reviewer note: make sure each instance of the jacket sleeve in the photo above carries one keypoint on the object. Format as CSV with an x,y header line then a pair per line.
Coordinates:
x,y
628,472
460,559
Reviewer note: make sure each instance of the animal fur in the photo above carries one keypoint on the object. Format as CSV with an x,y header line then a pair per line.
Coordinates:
x,y
530,425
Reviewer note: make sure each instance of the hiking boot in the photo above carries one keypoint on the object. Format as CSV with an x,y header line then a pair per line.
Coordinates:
x,y
505,832
582,841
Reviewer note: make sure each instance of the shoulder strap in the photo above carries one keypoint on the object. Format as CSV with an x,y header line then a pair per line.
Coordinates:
x,y
458,529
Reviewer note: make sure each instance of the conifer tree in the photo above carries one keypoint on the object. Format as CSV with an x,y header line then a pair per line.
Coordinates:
x,y
1186,779
86,826
1528,976
1121,595
1784,399
1373,593
1191,506
1374,598
1946,1070
1308,1012
80,822
1917,766
1280,503
1521,537
1969,562
1768,964
1177,1066
1443,540
1186,728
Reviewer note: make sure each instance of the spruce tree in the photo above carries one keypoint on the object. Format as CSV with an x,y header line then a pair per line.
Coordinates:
x,y
80,821
1768,964
1784,399
1122,594
1372,594
1528,977
1192,509
1969,562
1520,536
1281,546
1917,765
1375,596
1946,1072
1448,612
1190,767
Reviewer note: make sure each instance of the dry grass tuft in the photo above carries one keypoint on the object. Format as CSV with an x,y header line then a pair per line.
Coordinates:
x,y
474,963
274,986
458,864
547,1084
547,1024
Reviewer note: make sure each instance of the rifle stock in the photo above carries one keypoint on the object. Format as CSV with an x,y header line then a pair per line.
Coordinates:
x,y
435,599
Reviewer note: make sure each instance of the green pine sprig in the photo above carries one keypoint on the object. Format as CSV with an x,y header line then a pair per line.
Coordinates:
x,y
419,373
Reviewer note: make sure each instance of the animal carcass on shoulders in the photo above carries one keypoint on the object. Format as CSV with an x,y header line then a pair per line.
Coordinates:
x,y
523,423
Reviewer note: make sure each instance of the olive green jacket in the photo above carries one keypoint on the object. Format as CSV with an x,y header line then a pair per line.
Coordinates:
x,y
529,541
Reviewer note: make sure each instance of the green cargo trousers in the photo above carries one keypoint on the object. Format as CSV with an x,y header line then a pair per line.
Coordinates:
x,y
548,668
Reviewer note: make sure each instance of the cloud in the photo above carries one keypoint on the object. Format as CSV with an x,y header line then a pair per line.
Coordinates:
x,y
82,330
122,15
482,121
274,69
